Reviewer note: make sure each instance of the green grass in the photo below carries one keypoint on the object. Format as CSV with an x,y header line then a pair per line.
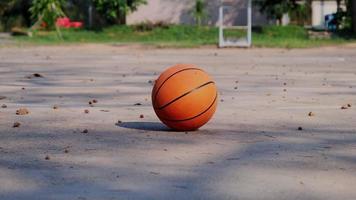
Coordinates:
x,y
182,36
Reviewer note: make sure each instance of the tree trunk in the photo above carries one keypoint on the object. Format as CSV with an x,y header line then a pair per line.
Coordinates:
x,y
121,18
338,3
353,13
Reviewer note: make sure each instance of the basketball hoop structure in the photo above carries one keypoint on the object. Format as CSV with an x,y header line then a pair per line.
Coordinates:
x,y
238,42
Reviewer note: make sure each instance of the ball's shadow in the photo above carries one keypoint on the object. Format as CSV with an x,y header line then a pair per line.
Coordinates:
x,y
146,126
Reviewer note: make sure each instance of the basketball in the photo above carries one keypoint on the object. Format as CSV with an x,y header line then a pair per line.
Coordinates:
x,y
184,97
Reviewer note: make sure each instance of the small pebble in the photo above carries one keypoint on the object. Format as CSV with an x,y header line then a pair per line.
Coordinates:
x,y
86,111
66,151
3,106
137,104
119,121
85,131
141,116
310,114
300,128
95,101
37,75
55,107
47,157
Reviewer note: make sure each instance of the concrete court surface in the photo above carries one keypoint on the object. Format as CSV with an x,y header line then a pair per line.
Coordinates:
x,y
251,149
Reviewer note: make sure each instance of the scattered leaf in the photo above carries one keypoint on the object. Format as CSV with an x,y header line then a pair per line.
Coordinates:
x,y
3,106
141,116
16,125
86,111
85,131
311,114
137,104
344,107
47,157
22,111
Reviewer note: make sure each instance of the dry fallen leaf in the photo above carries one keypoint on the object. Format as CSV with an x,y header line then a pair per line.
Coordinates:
x,y
310,114
22,111
16,124
344,107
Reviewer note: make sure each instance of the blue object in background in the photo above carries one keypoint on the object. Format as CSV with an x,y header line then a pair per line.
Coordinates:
x,y
330,22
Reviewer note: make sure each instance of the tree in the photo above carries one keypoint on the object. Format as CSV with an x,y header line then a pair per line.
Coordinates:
x,y
353,14
47,12
199,11
275,9
115,11
14,13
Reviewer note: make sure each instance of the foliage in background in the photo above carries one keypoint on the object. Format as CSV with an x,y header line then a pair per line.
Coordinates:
x,y
184,36
301,14
14,13
199,11
115,11
275,9
47,11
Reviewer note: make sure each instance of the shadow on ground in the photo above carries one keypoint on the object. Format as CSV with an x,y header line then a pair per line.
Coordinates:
x,y
146,126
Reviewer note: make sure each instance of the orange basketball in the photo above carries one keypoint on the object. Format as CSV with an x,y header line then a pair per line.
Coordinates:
x,y
184,97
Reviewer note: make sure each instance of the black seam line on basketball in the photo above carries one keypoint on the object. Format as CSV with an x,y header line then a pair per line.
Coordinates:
x,y
185,94
181,120
191,68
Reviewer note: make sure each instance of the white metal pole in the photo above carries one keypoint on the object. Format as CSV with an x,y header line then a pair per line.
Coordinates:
x,y
249,23
221,25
